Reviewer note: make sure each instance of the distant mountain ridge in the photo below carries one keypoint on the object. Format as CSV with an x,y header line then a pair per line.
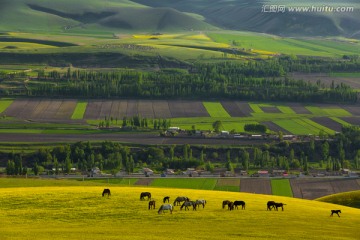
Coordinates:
x,y
176,15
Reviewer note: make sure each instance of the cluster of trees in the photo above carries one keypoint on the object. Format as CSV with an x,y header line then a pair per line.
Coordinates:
x,y
259,128
252,80
342,151
135,122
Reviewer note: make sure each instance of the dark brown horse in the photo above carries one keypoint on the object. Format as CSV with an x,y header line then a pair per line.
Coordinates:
x,y
151,204
225,203
106,191
336,212
278,205
237,203
166,199
231,206
271,205
145,194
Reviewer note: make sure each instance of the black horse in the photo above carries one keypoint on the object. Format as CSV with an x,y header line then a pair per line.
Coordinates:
x,y
271,205
151,204
336,212
225,203
166,199
277,205
106,191
145,194
237,203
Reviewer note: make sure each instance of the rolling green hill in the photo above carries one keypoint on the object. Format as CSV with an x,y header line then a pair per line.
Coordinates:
x,y
295,19
93,15
255,15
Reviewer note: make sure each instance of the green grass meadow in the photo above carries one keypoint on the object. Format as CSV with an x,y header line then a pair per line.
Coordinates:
x,y
80,212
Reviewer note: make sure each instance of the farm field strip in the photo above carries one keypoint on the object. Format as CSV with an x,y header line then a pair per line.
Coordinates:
x,y
4,104
318,126
66,109
281,187
258,186
105,109
93,110
352,120
39,111
340,121
146,109
200,183
233,109
286,109
338,112
230,185
293,127
161,109
132,108
215,109
328,123
79,110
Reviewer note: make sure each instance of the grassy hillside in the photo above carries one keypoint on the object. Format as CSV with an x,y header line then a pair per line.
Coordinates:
x,y
255,16
93,16
79,212
350,199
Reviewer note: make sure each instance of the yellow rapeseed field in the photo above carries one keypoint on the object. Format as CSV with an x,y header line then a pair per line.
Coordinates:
x,y
80,212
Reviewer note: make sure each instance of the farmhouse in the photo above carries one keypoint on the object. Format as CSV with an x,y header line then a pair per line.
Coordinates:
x,y
148,172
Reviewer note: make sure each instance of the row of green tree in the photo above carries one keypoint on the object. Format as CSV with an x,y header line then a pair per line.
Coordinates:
x,y
341,151
252,80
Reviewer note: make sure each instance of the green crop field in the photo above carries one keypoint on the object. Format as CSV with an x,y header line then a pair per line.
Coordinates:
x,y
215,109
347,75
281,187
4,104
79,110
80,212
339,112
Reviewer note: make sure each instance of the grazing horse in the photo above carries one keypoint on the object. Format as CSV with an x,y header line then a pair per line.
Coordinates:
x,y
145,194
106,191
277,205
179,200
200,202
166,199
231,206
225,203
237,203
336,212
152,204
186,204
270,205
166,207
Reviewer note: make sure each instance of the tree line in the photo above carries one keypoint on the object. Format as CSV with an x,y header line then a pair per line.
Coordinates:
x,y
265,80
338,152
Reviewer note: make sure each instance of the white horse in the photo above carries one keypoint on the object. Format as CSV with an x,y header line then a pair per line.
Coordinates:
x,y
165,207
200,202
